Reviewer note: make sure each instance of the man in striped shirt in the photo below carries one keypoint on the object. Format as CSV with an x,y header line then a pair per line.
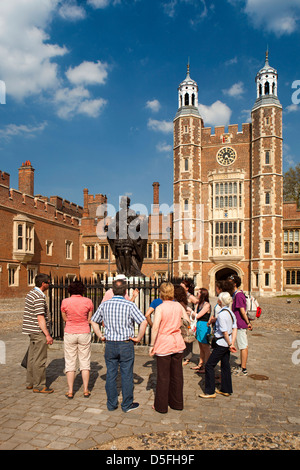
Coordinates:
x,y
36,325
119,317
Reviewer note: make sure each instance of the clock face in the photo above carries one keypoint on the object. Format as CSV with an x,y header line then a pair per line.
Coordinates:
x,y
226,156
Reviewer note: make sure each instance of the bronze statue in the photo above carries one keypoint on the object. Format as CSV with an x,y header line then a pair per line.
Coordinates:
x,y
127,237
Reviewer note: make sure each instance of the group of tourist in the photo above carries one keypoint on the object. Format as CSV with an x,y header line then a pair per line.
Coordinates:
x,y
172,337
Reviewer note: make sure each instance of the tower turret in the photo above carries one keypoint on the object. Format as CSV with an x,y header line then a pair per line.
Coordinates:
x,y
266,85
188,96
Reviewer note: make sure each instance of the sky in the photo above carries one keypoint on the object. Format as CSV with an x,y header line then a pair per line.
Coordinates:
x,y
89,87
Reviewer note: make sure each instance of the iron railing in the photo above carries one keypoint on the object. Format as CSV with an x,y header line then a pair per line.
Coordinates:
x,y
95,290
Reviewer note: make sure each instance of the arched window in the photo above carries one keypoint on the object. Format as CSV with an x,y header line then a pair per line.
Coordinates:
x,y
186,99
193,99
267,88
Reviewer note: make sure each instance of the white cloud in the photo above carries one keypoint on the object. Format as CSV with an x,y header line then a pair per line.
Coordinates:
x,y
292,108
26,53
218,114
232,61
71,11
88,73
102,3
13,130
235,91
163,147
92,108
160,126
70,102
29,59
153,105
200,9
276,16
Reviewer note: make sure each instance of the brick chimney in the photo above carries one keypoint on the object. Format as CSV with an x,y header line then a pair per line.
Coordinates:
x,y
155,193
155,206
86,211
26,178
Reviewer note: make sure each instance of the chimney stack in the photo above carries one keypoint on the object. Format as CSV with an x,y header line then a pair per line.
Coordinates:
x,y
26,178
155,207
155,193
86,211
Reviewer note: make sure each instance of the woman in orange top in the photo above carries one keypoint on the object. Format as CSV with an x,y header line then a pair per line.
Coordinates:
x,y
76,312
168,347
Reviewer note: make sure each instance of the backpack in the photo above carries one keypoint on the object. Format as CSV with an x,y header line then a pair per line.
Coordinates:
x,y
253,310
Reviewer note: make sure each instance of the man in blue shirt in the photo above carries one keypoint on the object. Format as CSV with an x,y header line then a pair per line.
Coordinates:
x,y
119,317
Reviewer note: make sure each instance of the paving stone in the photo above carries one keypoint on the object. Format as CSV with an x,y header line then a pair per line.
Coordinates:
x,y
30,421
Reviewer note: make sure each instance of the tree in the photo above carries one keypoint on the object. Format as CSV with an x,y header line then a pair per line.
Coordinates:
x,y
291,184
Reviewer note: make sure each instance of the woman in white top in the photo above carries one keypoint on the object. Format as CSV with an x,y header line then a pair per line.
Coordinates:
x,y
225,333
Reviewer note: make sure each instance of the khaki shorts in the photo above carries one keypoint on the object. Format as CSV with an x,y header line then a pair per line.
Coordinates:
x,y
242,339
77,346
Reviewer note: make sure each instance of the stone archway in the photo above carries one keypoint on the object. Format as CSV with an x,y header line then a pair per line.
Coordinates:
x,y
221,272
224,274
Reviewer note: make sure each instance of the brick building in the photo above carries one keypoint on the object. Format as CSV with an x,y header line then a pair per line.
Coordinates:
x,y
291,240
228,187
37,234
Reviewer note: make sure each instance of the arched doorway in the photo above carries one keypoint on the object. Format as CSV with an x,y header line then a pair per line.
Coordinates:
x,y
221,272
224,274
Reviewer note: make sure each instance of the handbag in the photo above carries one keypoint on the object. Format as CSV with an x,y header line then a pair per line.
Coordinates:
x,y
186,331
25,360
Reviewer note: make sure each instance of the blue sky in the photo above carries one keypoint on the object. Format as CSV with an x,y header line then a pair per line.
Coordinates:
x,y
91,85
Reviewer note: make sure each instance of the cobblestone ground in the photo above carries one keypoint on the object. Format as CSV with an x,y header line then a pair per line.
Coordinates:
x,y
262,413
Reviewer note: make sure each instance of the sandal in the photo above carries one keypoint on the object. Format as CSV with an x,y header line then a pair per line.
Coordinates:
x,y
185,362
87,394
69,396
197,367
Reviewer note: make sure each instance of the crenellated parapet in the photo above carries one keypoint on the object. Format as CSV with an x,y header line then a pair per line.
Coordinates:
x,y
66,212
222,136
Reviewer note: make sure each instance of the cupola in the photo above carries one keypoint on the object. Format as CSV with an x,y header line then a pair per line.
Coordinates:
x,y
188,96
266,85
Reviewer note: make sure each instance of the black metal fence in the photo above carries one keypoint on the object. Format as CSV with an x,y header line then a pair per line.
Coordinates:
x,y
95,290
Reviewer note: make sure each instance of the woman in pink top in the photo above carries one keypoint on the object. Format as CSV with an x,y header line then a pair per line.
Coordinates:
x,y
77,312
168,347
